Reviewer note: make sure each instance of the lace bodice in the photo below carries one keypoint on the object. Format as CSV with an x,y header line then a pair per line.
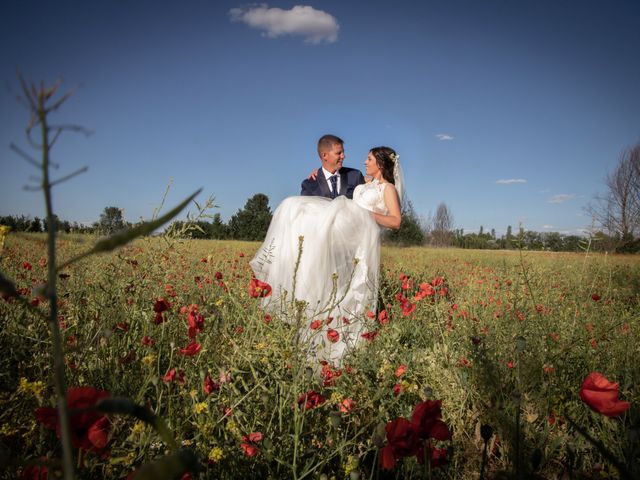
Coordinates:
x,y
371,196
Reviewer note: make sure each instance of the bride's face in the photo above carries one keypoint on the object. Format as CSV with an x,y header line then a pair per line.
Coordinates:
x,y
371,166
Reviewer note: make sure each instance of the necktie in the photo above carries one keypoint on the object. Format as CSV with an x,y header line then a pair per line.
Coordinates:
x,y
334,186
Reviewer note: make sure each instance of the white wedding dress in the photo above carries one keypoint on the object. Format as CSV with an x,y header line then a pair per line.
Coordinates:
x,y
337,270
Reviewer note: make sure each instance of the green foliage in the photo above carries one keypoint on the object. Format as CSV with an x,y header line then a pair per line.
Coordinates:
x,y
251,222
111,220
410,231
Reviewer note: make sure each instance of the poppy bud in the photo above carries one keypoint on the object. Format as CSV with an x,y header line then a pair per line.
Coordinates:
x,y
486,432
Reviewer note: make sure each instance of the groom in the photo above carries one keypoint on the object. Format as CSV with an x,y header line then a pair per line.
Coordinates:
x,y
332,179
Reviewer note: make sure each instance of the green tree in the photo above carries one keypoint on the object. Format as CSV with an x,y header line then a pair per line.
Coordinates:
x,y
509,238
36,225
251,222
56,221
111,220
219,230
410,231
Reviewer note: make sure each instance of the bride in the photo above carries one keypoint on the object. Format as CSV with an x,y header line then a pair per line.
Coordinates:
x,y
326,253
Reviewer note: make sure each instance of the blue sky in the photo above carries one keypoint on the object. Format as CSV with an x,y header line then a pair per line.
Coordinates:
x,y
508,111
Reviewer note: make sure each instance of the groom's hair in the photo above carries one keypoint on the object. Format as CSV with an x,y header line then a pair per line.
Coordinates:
x,y
328,141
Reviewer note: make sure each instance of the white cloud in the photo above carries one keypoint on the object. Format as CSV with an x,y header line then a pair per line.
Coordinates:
x,y
560,198
548,227
444,136
314,25
509,181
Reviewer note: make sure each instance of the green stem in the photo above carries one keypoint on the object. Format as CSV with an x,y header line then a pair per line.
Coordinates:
x,y
58,354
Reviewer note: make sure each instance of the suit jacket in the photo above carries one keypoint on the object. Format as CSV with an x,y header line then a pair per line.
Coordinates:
x,y
350,178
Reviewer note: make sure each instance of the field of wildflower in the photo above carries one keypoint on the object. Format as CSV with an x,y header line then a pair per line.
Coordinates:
x,y
476,364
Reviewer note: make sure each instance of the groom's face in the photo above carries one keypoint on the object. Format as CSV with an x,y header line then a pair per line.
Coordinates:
x,y
332,159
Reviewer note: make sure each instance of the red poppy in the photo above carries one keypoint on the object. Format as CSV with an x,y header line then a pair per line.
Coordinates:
x,y
329,374
161,305
258,289
39,471
26,265
174,375
249,450
310,400
255,437
89,428
370,336
190,350
397,389
426,419
218,276
401,442
346,405
315,324
408,308
209,385
332,335
148,341
602,396
595,297
400,370
383,317
196,323
170,376
427,289
124,326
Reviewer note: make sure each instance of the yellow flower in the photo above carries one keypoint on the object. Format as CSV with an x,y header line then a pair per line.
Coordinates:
x,y
7,431
219,302
216,454
206,429
351,465
261,346
149,360
201,407
35,388
193,394
336,397
233,427
138,427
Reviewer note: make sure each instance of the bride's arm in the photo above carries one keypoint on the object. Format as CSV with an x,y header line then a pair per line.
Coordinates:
x,y
394,218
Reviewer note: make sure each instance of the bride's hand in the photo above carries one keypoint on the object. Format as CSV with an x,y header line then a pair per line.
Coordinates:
x,y
313,175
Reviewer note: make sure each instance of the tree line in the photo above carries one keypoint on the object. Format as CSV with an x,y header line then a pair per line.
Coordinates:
x,y
616,217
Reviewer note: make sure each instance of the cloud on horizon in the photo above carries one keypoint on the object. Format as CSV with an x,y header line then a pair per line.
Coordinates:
x,y
509,181
444,136
316,26
560,198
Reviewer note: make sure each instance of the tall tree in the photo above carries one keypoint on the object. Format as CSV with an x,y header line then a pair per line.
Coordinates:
x,y
111,220
218,229
617,212
251,222
442,226
410,231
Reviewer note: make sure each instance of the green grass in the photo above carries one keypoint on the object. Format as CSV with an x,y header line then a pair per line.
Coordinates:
x,y
508,346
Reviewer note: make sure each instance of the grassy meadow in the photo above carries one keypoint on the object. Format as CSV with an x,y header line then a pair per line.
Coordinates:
x,y
504,339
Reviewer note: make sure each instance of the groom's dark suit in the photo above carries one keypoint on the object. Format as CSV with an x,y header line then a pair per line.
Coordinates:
x,y
350,178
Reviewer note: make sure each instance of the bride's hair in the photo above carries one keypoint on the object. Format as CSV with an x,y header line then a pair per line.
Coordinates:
x,y
385,158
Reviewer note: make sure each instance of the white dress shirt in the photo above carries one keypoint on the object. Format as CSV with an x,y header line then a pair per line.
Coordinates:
x,y
328,175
